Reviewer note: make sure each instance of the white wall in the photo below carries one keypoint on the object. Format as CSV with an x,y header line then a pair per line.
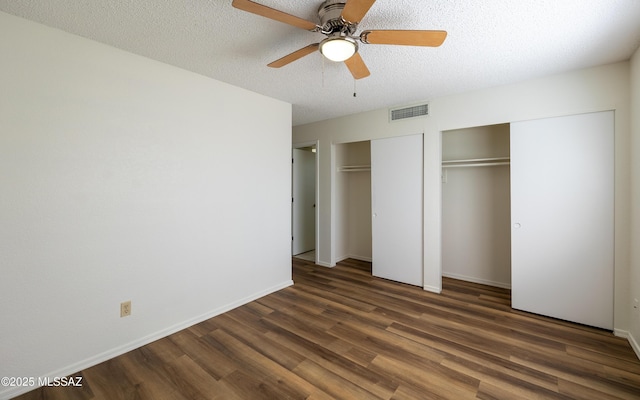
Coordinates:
x,y
593,89
476,142
122,178
634,280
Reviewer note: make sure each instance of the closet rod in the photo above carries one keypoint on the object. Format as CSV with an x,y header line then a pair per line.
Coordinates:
x,y
354,168
475,165
474,160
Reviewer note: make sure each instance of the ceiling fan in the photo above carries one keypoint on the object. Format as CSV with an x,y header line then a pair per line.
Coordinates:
x,y
339,21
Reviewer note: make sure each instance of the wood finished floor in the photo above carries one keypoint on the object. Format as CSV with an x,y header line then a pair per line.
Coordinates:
x,y
342,334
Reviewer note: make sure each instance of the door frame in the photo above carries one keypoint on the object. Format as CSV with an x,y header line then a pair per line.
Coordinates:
x,y
315,144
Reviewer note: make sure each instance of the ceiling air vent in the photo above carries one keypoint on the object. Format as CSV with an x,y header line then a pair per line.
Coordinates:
x,y
420,110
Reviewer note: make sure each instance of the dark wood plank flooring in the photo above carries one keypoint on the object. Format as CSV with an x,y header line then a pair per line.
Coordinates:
x,y
342,334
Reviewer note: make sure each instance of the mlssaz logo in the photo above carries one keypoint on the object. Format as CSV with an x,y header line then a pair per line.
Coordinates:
x,y
61,381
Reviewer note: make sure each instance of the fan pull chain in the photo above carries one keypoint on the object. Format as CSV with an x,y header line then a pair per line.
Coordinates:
x,y
322,71
354,87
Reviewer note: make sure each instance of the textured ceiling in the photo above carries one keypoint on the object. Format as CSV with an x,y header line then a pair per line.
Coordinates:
x,y
489,43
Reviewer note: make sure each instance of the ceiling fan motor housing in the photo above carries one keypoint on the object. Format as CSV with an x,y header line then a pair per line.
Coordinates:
x,y
330,13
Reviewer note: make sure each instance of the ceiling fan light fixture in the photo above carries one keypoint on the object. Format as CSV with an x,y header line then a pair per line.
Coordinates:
x,y
338,48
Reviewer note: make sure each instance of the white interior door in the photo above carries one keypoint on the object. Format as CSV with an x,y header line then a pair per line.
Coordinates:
x,y
562,217
396,205
303,206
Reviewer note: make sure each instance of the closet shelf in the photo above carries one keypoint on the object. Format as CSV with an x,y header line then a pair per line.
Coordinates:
x,y
354,168
476,162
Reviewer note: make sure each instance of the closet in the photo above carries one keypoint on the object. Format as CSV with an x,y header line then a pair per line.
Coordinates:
x,y
352,202
476,233
378,206
536,195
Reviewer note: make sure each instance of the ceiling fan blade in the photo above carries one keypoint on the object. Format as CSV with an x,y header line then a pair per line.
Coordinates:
x,y
294,56
406,38
357,67
355,10
259,9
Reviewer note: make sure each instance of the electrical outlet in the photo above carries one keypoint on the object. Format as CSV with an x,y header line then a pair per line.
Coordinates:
x,y
125,308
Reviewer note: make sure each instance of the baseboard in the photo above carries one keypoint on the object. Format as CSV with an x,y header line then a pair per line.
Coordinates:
x,y
621,333
117,351
324,264
632,341
355,257
477,280
634,344
433,289
360,258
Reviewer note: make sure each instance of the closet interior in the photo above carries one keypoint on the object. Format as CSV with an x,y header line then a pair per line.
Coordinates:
x,y
476,211
353,201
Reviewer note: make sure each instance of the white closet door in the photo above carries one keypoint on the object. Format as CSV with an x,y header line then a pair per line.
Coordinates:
x,y
396,204
562,217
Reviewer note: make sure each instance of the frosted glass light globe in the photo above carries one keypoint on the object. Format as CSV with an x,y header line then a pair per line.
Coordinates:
x,y
338,48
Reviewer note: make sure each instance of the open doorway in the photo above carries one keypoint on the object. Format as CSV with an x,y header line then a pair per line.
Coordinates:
x,y
304,201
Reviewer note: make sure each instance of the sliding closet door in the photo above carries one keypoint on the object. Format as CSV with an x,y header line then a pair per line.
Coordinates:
x,y
396,203
562,217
